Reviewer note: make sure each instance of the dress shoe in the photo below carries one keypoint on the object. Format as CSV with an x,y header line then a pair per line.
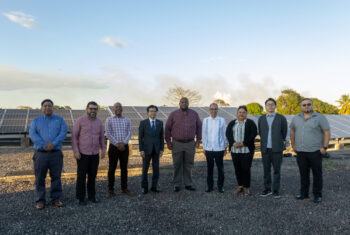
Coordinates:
x,y
82,203
144,191
40,206
110,195
155,190
176,189
94,200
126,192
301,197
246,191
208,190
57,204
190,188
221,190
238,190
317,199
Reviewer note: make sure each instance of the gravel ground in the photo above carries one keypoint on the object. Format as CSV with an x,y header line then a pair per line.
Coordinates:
x,y
186,212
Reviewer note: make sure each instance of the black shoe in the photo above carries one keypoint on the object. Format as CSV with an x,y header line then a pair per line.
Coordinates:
x,y
221,190
276,195
208,190
144,191
317,199
265,193
176,189
190,188
301,197
82,203
155,190
94,200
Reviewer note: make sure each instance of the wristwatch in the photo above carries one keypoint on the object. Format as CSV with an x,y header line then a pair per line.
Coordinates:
x,y
325,148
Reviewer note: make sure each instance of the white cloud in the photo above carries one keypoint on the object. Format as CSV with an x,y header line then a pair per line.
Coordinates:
x,y
21,18
113,42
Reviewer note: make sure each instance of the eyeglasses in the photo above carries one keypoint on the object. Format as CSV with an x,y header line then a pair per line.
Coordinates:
x,y
93,109
213,109
270,105
304,105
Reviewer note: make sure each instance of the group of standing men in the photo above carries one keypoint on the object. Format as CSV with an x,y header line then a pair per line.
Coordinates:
x,y
184,131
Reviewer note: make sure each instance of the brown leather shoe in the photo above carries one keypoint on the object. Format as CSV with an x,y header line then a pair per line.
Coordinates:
x,y
126,191
246,191
238,190
40,206
110,195
57,204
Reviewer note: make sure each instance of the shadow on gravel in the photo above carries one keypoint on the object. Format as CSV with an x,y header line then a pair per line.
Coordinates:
x,y
184,212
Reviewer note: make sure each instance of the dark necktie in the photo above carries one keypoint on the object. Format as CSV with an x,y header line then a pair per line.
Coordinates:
x,y
153,127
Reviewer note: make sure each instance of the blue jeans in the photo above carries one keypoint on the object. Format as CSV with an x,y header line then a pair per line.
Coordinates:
x,y
44,161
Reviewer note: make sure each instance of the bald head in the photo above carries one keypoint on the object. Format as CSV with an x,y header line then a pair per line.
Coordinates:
x,y
118,109
184,104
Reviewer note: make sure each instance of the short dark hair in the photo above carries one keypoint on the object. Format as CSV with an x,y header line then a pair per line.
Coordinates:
x,y
306,99
271,99
152,107
242,107
92,103
46,100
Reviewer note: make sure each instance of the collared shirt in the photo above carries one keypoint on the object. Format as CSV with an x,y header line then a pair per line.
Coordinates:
x,y
183,127
213,134
309,132
238,134
45,130
118,130
88,136
150,122
269,119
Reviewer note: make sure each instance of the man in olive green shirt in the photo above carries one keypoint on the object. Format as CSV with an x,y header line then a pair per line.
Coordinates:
x,y
309,134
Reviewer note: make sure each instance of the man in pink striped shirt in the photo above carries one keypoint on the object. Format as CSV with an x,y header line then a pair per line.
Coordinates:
x,y
87,140
118,131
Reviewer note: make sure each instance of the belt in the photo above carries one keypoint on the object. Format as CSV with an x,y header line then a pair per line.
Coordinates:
x,y
44,151
184,141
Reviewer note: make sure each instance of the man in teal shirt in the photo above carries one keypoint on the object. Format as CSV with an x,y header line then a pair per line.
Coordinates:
x,y
47,133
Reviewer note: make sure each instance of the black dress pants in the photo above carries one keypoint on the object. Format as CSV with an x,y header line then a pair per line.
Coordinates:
x,y
114,154
87,165
242,163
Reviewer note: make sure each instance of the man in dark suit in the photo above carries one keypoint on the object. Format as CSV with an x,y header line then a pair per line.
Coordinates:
x,y
273,129
151,144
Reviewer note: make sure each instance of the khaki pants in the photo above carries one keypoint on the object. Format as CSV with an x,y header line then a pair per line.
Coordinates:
x,y
183,161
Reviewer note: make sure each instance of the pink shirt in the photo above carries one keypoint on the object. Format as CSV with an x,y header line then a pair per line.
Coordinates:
x,y
88,136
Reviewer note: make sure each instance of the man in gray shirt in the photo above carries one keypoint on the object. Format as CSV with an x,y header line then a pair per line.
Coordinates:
x,y
273,128
309,134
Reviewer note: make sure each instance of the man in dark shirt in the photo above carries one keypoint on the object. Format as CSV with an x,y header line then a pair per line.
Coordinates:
x,y
182,126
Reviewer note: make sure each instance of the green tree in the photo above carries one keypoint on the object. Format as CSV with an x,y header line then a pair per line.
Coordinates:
x,y
175,94
344,104
323,107
289,102
24,107
255,109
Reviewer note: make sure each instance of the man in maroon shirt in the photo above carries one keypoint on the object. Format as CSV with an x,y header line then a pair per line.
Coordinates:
x,y
182,126
87,140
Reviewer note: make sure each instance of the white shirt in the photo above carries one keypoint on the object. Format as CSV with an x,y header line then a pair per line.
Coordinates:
x,y
150,121
213,134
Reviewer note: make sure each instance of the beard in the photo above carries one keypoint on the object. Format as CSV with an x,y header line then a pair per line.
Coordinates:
x,y
184,109
308,111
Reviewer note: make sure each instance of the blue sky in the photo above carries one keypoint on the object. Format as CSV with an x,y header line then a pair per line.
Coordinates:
x,y
133,51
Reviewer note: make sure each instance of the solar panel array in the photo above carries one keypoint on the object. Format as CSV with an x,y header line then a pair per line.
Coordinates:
x,y
17,121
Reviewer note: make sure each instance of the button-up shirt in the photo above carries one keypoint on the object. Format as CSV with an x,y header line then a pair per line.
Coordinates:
x,y
183,127
88,136
45,130
152,120
309,132
118,130
238,133
269,119
213,134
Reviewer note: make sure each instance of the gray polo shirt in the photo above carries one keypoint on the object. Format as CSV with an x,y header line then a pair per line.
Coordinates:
x,y
309,133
